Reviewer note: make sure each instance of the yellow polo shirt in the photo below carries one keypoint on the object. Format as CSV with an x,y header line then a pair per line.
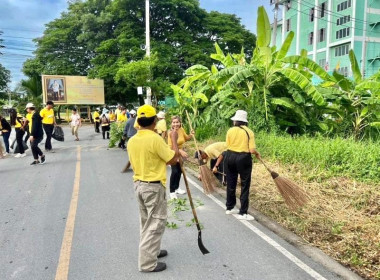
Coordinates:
x,y
213,151
148,154
237,139
182,135
29,118
122,118
96,115
161,126
18,124
47,116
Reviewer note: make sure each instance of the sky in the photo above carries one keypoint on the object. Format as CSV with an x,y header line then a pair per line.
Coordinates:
x,y
23,20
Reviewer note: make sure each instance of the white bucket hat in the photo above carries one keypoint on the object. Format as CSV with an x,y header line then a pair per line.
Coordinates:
x,y
29,105
161,115
132,112
240,115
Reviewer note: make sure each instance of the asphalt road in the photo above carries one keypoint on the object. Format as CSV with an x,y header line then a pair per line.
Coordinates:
x,y
76,217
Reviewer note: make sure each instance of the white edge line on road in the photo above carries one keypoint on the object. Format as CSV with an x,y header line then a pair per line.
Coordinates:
x,y
269,240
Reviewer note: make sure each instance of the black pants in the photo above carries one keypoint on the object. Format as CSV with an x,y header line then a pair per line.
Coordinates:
x,y
106,128
49,131
97,127
175,177
35,149
122,143
19,139
27,134
238,164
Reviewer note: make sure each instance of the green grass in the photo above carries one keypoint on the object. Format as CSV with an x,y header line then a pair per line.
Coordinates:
x,y
324,157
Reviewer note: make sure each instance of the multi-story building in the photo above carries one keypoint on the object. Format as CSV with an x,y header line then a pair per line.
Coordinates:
x,y
328,29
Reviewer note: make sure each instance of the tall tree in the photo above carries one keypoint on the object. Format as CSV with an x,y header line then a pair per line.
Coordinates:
x,y
100,37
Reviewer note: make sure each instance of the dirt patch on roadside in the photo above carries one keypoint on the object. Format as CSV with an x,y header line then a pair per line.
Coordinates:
x,y
342,217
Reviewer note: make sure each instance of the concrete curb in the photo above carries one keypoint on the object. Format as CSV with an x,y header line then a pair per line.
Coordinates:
x,y
314,253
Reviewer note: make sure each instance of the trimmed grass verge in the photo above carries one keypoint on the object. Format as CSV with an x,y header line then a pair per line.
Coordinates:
x,y
342,179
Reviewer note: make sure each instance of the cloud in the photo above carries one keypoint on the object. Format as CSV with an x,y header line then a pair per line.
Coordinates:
x,y
22,20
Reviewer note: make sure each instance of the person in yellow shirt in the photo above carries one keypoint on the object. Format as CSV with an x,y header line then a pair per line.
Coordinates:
x,y
212,153
48,123
161,125
20,131
122,119
175,176
240,142
96,117
112,116
118,110
149,156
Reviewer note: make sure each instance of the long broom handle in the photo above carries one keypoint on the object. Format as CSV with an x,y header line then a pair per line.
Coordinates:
x,y
191,128
190,197
266,166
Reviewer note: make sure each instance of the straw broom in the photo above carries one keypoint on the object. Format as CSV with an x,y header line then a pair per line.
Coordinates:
x,y
209,182
292,194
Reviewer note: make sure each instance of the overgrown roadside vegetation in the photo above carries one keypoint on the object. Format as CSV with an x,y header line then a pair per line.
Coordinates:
x,y
342,179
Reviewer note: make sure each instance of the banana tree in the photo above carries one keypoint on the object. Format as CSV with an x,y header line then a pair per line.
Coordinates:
x,y
358,98
268,67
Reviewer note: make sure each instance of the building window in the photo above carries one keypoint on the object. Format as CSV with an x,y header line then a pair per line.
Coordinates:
x,y
322,62
342,50
343,20
343,71
288,5
323,9
344,5
322,35
311,38
311,15
345,32
288,25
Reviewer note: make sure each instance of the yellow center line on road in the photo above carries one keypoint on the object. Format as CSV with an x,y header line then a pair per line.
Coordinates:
x,y
64,257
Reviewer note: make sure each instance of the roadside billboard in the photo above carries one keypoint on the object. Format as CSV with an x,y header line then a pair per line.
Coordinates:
x,y
72,90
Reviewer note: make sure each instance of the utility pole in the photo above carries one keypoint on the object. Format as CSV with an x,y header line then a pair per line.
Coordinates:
x,y
147,47
276,5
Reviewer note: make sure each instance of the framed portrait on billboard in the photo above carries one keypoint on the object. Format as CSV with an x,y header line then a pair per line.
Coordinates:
x,y
55,89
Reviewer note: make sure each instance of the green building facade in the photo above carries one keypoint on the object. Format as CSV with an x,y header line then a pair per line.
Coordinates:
x,y
328,29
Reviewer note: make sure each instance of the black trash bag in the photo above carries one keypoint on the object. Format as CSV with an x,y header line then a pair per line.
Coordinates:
x,y
58,134
17,149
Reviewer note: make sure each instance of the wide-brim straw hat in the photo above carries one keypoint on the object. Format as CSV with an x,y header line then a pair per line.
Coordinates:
x,y
240,115
161,115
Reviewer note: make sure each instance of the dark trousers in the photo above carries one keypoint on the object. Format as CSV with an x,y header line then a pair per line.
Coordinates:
x,y
49,131
175,177
6,140
19,139
238,164
35,149
122,143
106,128
27,134
97,127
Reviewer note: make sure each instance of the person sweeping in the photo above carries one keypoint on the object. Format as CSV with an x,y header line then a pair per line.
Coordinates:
x,y
149,155
240,142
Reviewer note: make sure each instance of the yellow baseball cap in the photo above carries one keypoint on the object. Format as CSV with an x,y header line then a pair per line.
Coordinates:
x,y
146,111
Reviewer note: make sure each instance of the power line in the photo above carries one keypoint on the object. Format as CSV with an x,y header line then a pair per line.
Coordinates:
x,y
326,20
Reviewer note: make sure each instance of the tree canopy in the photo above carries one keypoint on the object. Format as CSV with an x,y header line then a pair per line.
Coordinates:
x,y
100,38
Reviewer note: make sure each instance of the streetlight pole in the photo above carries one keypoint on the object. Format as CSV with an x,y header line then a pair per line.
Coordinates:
x,y
147,46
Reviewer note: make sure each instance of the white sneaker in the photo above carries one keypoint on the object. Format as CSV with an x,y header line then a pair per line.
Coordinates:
x,y
173,195
5,154
23,155
18,155
246,217
180,191
232,211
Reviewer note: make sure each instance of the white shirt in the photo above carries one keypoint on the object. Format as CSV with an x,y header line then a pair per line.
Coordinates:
x,y
75,119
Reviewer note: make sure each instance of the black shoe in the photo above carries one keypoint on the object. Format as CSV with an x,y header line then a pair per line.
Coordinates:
x,y
35,162
163,253
160,267
43,160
